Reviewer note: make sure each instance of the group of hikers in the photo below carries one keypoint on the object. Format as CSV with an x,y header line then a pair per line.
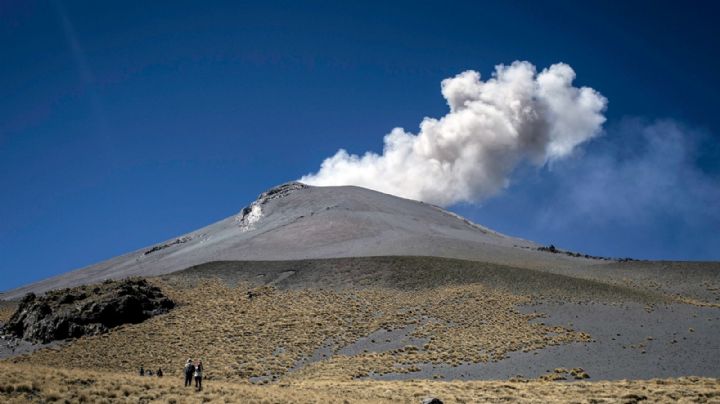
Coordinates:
x,y
193,370
190,371
149,372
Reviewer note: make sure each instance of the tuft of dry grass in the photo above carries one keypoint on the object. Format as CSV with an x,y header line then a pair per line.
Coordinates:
x,y
7,309
238,337
24,383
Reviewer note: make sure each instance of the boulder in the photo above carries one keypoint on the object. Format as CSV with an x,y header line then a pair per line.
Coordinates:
x,y
86,310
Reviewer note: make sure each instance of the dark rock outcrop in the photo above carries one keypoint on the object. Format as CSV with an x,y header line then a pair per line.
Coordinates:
x,y
86,310
181,240
280,191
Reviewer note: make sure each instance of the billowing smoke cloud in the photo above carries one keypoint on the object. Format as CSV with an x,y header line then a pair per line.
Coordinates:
x,y
655,176
645,189
468,155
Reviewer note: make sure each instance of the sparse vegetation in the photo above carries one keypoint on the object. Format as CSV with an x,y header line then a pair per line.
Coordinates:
x,y
280,339
238,336
22,383
415,273
7,309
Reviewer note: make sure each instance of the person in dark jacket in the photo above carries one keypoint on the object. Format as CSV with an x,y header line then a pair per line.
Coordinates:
x,y
189,371
159,372
142,371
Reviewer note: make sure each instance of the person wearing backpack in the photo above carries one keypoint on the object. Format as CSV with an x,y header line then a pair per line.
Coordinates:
x,y
198,375
189,370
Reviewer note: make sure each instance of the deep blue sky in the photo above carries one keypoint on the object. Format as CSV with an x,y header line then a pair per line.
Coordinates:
x,y
126,123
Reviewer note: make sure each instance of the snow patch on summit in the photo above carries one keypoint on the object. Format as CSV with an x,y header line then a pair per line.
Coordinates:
x,y
248,220
252,214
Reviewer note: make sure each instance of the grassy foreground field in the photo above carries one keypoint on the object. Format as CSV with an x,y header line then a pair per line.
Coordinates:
x,y
317,331
238,337
22,383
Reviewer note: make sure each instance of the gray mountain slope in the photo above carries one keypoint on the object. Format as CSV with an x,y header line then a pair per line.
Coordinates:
x,y
295,221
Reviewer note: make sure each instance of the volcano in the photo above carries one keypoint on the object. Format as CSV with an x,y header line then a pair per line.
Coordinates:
x,y
308,283
295,221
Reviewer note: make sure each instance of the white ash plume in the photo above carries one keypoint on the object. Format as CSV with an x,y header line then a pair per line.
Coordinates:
x,y
468,155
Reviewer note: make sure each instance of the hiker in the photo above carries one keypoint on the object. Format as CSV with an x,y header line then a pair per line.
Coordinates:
x,y
142,371
198,376
159,372
189,370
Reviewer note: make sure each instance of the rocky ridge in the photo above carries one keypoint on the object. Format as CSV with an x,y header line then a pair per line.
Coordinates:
x,y
251,214
86,310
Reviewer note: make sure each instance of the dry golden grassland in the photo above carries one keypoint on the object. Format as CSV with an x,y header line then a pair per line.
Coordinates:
x,y
6,310
238,337
24,383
